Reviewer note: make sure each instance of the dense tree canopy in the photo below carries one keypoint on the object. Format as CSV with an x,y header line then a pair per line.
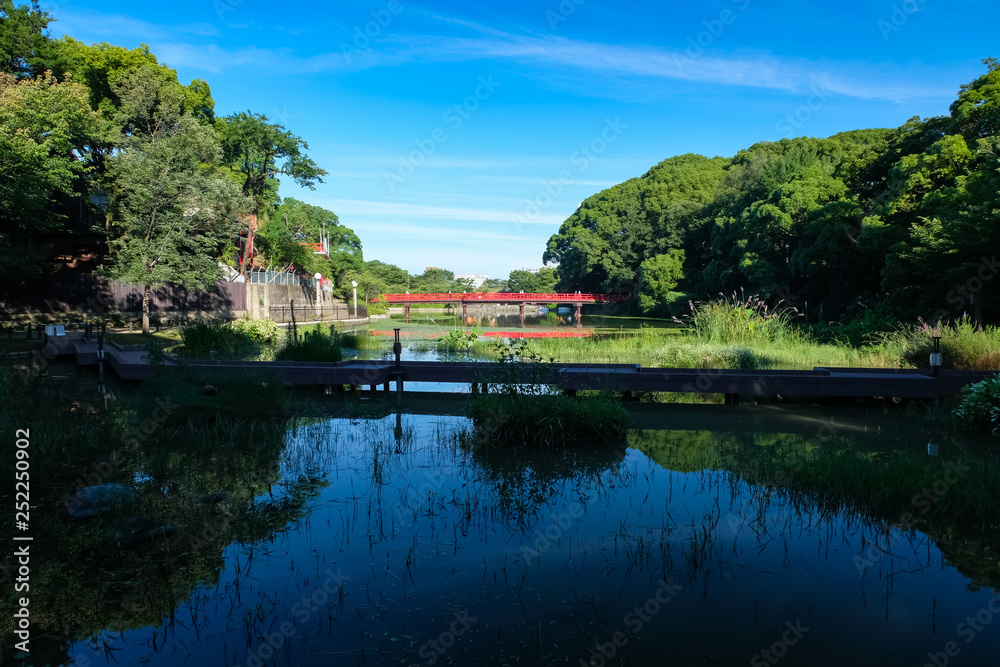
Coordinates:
x,y
82,127
905,217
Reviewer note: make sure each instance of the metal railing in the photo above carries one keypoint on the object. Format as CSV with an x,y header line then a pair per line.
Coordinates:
x,y
280,278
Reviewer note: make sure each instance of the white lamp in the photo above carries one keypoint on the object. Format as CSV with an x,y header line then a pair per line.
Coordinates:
x,y
354,284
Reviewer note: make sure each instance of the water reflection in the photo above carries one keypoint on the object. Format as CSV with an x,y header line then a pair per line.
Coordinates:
x,y
414,548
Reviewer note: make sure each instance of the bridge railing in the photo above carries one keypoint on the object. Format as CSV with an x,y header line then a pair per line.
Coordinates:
x,y
547,297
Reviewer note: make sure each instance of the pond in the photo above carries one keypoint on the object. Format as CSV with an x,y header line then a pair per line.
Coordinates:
x,y
499,319
394,539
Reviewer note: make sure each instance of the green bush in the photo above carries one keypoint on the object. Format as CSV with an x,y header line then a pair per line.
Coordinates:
x,y
260,331
979,407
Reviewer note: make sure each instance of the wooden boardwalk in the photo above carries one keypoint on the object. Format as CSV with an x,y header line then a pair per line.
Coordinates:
x,y
129,363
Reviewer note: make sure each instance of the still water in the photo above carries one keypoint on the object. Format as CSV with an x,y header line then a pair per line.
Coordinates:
x,y
411,546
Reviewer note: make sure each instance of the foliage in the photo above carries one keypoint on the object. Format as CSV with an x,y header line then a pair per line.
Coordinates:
x,y
964,345
378,306
313,345
743,320
44,131
459,339
171,210
247,394
523,410
22,37
883,216
658,276
979,406
227,339
524,281
259,331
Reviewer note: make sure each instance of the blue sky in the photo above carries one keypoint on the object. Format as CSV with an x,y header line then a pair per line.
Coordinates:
x,y
462,135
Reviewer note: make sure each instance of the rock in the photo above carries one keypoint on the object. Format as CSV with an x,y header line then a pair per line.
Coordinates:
x,y
93,500
210,390
212,498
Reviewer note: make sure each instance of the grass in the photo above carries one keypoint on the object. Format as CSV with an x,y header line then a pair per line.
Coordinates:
x,y
312,345
202,338
513,419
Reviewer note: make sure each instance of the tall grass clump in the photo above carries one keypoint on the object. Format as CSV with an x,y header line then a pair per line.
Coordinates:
x,y
744,321
965,345
203,337
524,411
313,345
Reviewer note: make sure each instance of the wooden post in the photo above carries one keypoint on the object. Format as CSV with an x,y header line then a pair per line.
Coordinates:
x,y
464,312
406,310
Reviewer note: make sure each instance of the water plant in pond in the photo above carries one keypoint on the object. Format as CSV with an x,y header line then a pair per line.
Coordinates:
x,y
225,338
312,345
523,409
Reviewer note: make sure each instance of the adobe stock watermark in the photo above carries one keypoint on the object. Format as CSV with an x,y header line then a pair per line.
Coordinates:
x,y
363,35
562,13
899,17
433,650
792,122
963,294
581,159
779,649
635,620
826,432
302,611
454,116
697,44
968,630
921,503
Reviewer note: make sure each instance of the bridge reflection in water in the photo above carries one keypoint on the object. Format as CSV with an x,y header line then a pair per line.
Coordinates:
x,y
576,299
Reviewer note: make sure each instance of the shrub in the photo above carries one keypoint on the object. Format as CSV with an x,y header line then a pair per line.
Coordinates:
x,y
979,407
260,331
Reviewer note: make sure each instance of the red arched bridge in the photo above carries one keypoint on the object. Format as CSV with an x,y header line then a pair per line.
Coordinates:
x,y
521,298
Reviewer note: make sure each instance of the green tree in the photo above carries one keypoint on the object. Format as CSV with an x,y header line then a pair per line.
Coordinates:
x,y
493,285
259,152
45,127
434,280
658,277
601,246
22,36
172,210
396,280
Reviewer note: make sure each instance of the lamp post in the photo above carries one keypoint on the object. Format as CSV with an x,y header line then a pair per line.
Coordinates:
x,y
354,284
319,304
936,354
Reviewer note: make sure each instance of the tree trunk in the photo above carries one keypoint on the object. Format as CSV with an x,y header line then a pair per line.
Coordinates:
x,y
146,291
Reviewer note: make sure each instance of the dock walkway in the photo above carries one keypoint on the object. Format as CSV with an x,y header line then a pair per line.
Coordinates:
x,y
130,363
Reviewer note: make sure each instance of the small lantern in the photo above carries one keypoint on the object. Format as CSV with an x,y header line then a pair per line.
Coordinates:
x,y
936,354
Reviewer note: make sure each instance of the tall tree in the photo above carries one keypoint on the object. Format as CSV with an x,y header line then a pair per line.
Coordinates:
x,y
22,36
172,209
259,152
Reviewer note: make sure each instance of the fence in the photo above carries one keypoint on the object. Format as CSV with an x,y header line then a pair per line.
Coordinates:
x,y
279,278
94,295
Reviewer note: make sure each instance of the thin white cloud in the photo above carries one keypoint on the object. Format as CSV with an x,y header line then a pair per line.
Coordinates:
x,y
533,53
379,209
